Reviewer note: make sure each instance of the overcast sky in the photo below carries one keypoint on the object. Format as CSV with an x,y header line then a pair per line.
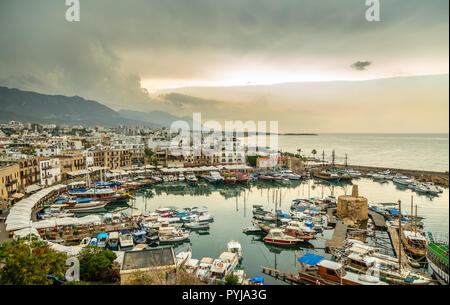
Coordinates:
x,y
121,49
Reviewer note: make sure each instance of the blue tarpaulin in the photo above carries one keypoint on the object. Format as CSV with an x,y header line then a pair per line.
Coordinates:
x,y
310,259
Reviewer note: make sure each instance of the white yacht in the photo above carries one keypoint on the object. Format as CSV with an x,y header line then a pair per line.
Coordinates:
x,y
235,247
214,177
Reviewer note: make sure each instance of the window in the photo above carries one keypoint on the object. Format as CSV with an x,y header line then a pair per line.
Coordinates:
x,y
331,272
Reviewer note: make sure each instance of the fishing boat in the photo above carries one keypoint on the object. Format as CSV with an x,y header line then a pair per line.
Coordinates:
x,y
102,240
139,237
125,239
171,235
196,225
204,268
414,242
316,269
243,178
113,241
278,237
437,257
234,246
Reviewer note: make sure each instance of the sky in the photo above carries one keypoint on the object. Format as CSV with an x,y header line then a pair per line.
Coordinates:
x,y
231,57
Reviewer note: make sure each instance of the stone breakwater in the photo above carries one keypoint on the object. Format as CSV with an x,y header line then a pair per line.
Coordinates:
x,y
439,178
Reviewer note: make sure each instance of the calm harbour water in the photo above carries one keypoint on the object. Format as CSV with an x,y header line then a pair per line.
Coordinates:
x,y
233,212
407,151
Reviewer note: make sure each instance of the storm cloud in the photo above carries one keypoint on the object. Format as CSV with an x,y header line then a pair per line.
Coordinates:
x,y
124,53
361,65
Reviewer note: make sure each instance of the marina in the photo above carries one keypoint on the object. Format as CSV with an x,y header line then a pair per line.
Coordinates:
x,y
179,214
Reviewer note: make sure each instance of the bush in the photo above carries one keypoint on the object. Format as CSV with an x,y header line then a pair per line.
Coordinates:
x,y
19,267
231,280
95,263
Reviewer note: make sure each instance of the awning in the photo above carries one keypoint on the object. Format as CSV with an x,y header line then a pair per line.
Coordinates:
x,y
32,188
310,259
17,195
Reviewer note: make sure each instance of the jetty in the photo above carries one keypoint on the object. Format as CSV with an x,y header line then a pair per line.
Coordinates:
x,y
378,220
339,235
395,239
331,216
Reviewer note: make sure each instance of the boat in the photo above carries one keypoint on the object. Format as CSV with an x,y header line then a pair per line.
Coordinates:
x,y
414,242
290,175
402,180
181,178
171,235
257,280
316,269
113,241
191,179
327,176
252,229
437,257
183,256
196,225
102,240
85,242
125,239
102,194
222,267
204,268
214,177
234,246
278,237
139,237
363,259
243,178
239,273
85,204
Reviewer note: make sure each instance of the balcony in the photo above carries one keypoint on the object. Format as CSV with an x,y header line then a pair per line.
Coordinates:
x,y
9,183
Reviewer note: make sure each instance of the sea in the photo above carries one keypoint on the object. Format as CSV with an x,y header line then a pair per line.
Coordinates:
x,y
232,205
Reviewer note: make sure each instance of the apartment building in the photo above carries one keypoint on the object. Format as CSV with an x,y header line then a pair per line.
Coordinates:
x,y
9,182
112,159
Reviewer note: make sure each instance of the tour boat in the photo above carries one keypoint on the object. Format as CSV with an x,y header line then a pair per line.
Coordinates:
x,y
234,246
316,269
327,176
125,239
277,237
437,257
84,204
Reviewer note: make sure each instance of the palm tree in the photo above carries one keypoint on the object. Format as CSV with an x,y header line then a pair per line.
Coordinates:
x,y
314,152
299,152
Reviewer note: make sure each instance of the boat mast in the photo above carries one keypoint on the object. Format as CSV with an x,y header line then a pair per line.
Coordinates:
x,y
411,220
415,229
400,235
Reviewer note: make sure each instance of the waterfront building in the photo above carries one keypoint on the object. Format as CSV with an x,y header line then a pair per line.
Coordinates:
x,y
50,171
9,183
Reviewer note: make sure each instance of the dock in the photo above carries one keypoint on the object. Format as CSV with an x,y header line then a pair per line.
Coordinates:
x,y
378,220
339,235
395,243
331,218
292,277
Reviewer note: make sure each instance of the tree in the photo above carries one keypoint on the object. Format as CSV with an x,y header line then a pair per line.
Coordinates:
x,y
314,152
231,280
95,262
251,160
28,151
19,267
299,152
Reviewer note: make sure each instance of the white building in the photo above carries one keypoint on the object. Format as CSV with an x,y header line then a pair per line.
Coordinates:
x,y
50,171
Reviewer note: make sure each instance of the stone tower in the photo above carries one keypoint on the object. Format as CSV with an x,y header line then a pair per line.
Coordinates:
x,y
352,209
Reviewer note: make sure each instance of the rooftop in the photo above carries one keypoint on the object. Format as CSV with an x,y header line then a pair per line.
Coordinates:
x,y
148,259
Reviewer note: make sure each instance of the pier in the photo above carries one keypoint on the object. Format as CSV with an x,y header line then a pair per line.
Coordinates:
x,y
378,220
331,218
395,239
339,235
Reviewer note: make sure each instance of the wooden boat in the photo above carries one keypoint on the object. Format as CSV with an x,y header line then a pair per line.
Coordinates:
x,y
415,242
82,205
278,237
316,269
171,234
323,175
